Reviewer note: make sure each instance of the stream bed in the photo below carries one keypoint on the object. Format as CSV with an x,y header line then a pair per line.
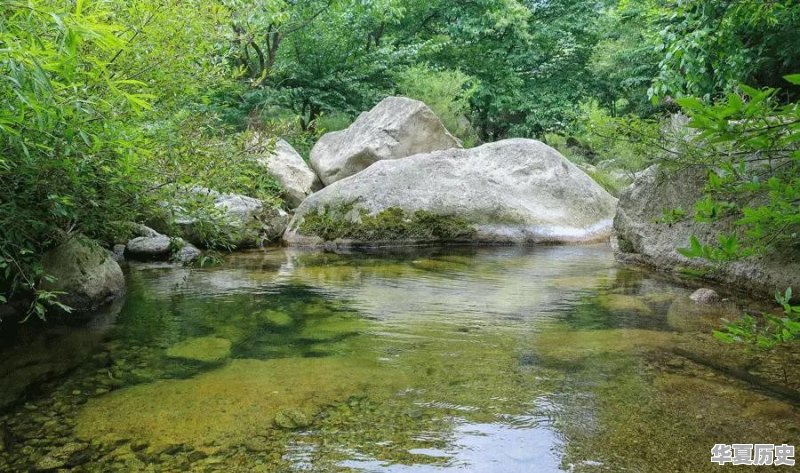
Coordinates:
x,y
504,360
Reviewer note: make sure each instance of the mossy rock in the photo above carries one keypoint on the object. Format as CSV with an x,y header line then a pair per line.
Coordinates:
x,y
277,318
290,419
624,303
344,222
231,404
85,272
204,349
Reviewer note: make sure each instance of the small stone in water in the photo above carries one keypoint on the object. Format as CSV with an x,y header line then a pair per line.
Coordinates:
x,y
705,296
257,444
291,419
675,363
197,455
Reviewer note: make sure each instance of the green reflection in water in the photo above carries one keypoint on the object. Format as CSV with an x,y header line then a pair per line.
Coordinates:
x,y
282,361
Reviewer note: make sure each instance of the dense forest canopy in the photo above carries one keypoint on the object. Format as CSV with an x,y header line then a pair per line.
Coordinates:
x,y
106,106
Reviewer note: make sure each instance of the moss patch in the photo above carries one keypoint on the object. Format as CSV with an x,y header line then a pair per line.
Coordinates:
x,y
340,222
576,345
623,303
206,349
229,405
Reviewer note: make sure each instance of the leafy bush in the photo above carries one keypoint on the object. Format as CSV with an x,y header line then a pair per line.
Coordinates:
x,y
67,149
765,332
750,145
447,93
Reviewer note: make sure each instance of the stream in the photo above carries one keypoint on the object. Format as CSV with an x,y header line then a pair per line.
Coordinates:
x,y
428,360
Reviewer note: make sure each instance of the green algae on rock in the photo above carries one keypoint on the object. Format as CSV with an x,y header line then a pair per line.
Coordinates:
x,y
205,349
624,303
276,318
392,224
230,404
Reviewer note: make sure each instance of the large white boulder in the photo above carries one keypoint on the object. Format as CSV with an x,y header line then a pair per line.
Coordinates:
x,y
283,162
512,191
395,128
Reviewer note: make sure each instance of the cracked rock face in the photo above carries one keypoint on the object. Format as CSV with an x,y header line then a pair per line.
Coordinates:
x,y
396,128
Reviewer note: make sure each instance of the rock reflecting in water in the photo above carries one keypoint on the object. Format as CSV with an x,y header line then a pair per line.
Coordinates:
x,y
424,360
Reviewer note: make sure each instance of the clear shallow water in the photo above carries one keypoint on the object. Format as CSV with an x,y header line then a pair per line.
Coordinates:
x,y
432,360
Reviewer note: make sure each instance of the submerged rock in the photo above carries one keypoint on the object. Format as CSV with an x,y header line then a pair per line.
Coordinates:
x,y
624,303
517,190
85,272
639,238
61,457
705,296
161,248
229,405
291,419
206,349
296,178
395,128
686,315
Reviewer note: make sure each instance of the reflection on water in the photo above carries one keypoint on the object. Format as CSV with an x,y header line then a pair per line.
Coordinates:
x,y
426,360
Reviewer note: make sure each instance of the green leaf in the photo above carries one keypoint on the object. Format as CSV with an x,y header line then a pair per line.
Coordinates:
x,y
793,79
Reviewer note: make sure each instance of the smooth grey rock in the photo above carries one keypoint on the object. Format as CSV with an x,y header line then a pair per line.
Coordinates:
x,y
118,253
705,296
640,239
161,248
187,253
155,248
395,128
518,191
296,178
85,272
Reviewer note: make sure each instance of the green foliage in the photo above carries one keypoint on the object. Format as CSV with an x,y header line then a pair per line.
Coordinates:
x,y
765,332
626,143
66,145
447,93
390,224
749,142
708,47
624,61
672,216
727,249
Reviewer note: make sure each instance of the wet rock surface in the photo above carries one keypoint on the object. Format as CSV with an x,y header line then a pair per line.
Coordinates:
x,y
705,296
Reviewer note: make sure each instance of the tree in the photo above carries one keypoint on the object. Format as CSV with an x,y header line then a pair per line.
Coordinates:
x,y
708,47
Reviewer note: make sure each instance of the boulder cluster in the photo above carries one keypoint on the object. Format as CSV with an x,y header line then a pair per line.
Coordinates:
x,y
396,176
